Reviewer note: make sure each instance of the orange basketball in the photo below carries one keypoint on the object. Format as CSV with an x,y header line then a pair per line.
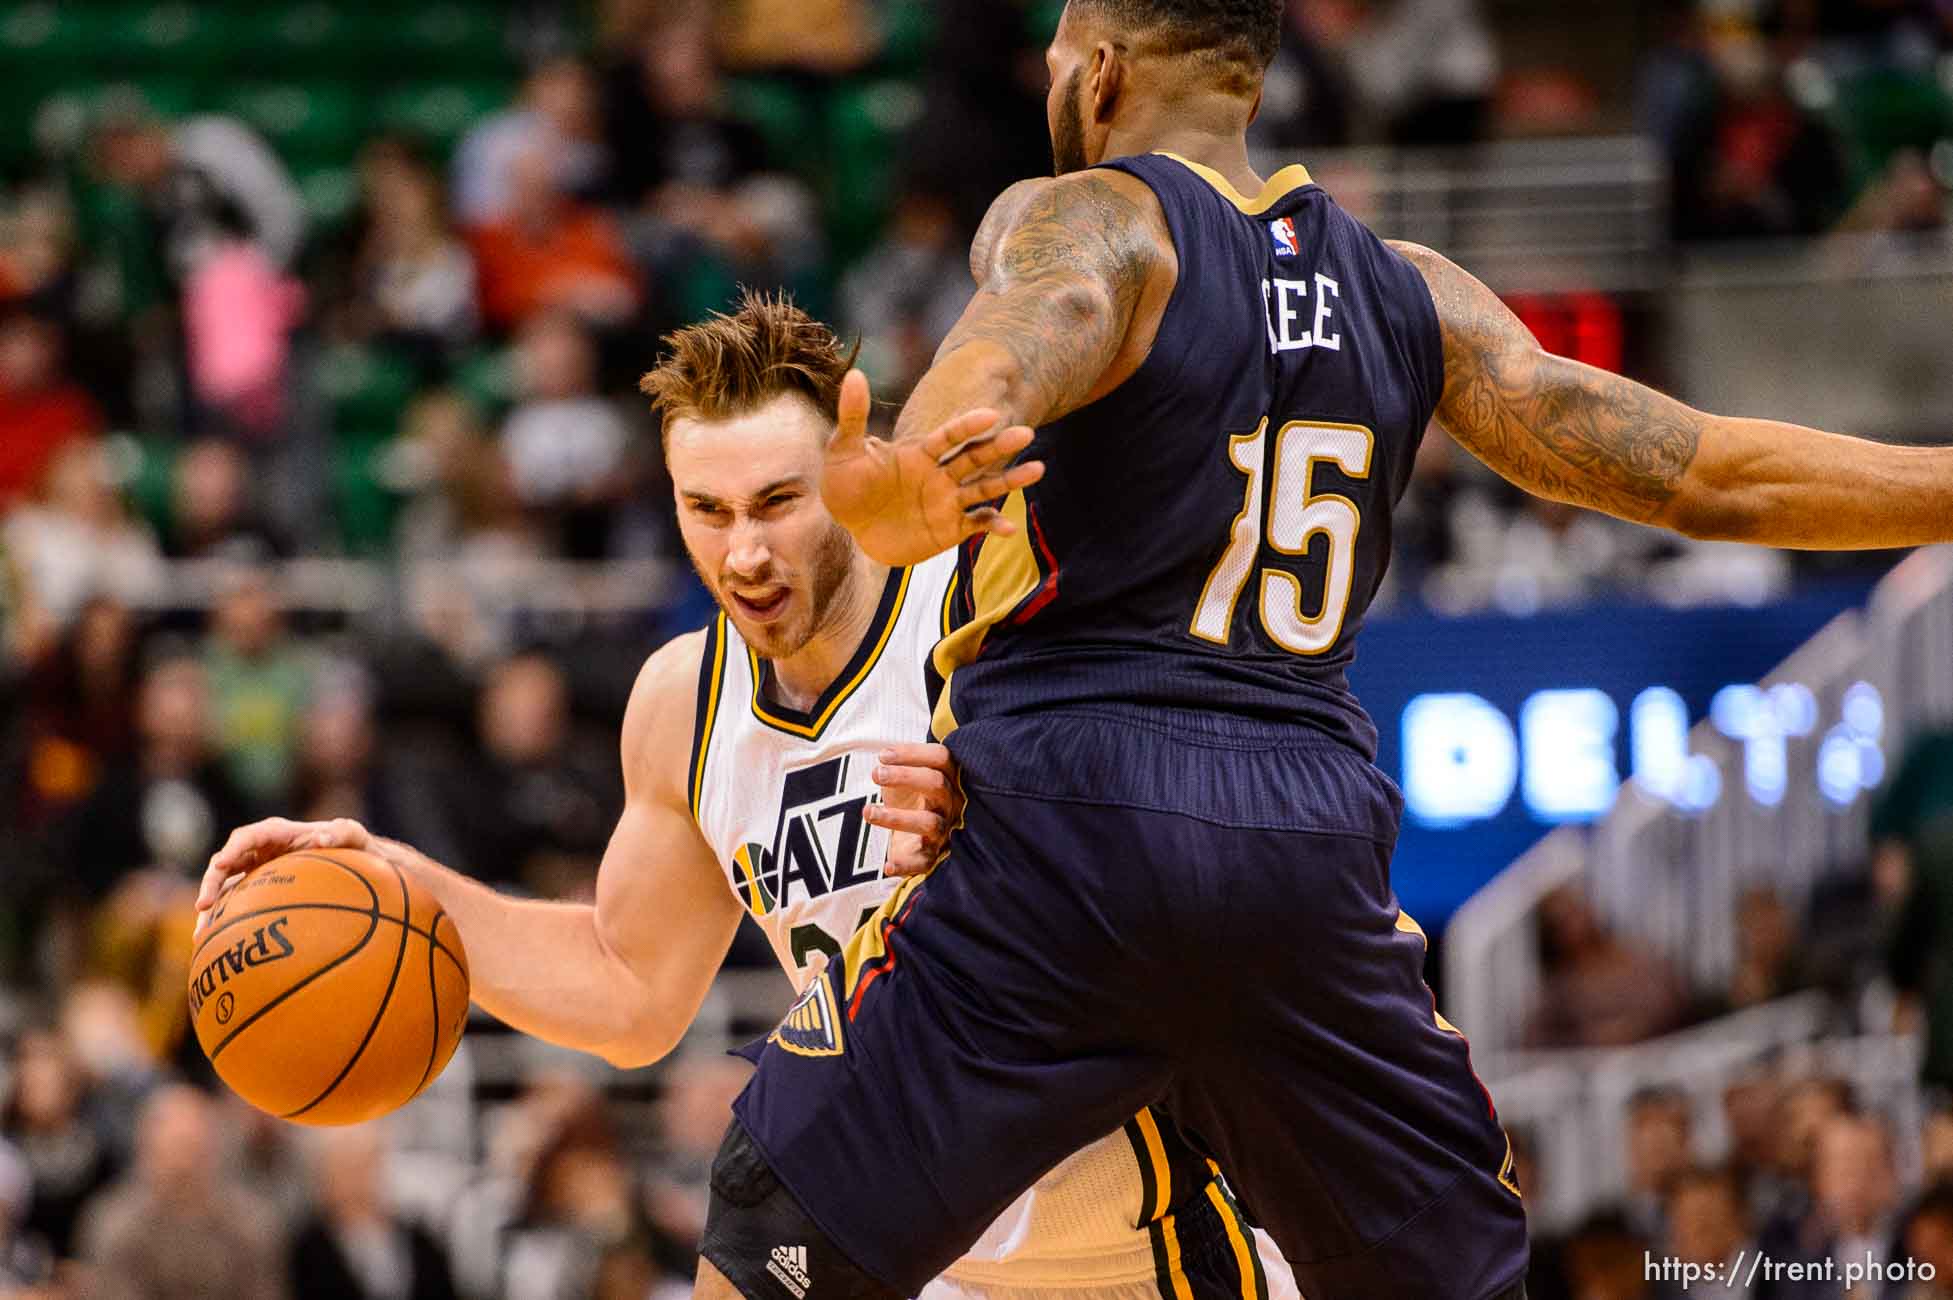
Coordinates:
x,y
328,988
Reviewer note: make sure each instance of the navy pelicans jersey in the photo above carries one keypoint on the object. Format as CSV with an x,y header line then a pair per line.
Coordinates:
x,y
1210,534
779,795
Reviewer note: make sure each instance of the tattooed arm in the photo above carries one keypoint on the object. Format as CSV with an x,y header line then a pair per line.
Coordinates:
x,y
1061,268
1072,277
1575,434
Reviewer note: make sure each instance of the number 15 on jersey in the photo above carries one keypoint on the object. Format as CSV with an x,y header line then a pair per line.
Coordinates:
x,y
1283,512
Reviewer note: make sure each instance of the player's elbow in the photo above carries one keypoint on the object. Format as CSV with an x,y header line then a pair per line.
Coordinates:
x,y
1714,503
644,1046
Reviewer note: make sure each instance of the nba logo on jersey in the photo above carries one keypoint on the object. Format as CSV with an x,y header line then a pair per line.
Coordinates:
x,y
1287,244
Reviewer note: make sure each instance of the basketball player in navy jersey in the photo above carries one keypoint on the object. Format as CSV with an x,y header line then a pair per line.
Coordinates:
x,y
1172,884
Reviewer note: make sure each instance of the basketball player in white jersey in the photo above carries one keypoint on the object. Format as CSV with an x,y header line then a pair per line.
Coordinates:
x,y
752,752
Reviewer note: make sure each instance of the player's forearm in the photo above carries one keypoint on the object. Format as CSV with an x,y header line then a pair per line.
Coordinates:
x,y
1782,485
542,969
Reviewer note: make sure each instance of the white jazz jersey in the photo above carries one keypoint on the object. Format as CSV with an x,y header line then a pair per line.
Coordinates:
x,y
779,796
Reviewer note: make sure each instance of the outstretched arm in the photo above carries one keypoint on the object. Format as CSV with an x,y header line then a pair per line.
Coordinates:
x,y
1572,433
622,979
1063,269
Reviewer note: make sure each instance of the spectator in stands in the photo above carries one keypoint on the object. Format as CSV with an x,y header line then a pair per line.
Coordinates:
x,y
557,117
1808,1105
1605,1260
1752,1106
1919,846
178,1227
823,37
214,513
25,1260
80,713
208,181
909,290
1659,1150
1426,69
536,805
1708,1224
1855,1204
1306,98
551,251
1929,1241
168,802
567,446
356,1247
709,211
47,1122
696,1105
579,1211
1767,957
442,451
338,767
1747,160
413,278
41,410
75,541
1599,990
259,681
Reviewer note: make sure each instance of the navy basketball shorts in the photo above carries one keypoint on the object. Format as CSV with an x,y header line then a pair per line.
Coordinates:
x,y
1172,910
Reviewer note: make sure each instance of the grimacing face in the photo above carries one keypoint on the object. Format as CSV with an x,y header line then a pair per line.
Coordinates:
x,y
749,507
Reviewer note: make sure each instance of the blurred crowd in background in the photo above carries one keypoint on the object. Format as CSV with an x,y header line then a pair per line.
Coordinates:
x,y
287,283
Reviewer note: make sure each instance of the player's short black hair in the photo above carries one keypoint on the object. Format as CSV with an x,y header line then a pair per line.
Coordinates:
x,y
1247,30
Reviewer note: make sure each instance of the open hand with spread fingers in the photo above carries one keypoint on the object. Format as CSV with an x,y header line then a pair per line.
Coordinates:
x,y
909,499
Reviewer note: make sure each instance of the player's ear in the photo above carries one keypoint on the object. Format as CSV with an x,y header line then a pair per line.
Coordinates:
x,y
1254,110
1107,82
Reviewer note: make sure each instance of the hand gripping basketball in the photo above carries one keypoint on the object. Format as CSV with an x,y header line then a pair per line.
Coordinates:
x,y
328,987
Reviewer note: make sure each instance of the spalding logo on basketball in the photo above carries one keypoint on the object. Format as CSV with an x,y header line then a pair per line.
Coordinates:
x,y
328,988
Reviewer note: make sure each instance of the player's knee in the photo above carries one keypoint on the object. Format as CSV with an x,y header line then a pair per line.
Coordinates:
x,y
760,1243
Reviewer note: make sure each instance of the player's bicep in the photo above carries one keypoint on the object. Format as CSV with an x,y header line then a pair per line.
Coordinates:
x,y
1557,428
662,911
1061,267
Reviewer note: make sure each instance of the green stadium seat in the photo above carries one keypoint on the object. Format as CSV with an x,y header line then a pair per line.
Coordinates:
x,y
866,123
780,112
1041,21
908,34
305,121
363,506
440,113
455,39
172,37
315,39
488,379
331,194
368,388
47,36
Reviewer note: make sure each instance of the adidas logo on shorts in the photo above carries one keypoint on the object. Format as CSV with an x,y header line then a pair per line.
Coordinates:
x,y
789,1265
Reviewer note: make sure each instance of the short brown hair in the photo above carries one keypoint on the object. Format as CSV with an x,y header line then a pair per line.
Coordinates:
x,y
729,365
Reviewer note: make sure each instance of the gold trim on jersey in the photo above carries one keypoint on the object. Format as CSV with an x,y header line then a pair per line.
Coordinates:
x,y
1005,574
716,650
1407,925
812,730
1244,1250
1279,186
870,942
1171,1273
949,601
1162,1167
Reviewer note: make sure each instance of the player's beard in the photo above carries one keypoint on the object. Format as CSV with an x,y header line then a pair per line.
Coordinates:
x,y
827,575
1068,133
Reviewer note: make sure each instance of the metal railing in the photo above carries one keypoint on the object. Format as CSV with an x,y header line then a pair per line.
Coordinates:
x,y
1671,878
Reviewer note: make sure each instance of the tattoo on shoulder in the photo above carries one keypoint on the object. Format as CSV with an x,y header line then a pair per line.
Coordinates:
x,y
1062,266
1554,426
